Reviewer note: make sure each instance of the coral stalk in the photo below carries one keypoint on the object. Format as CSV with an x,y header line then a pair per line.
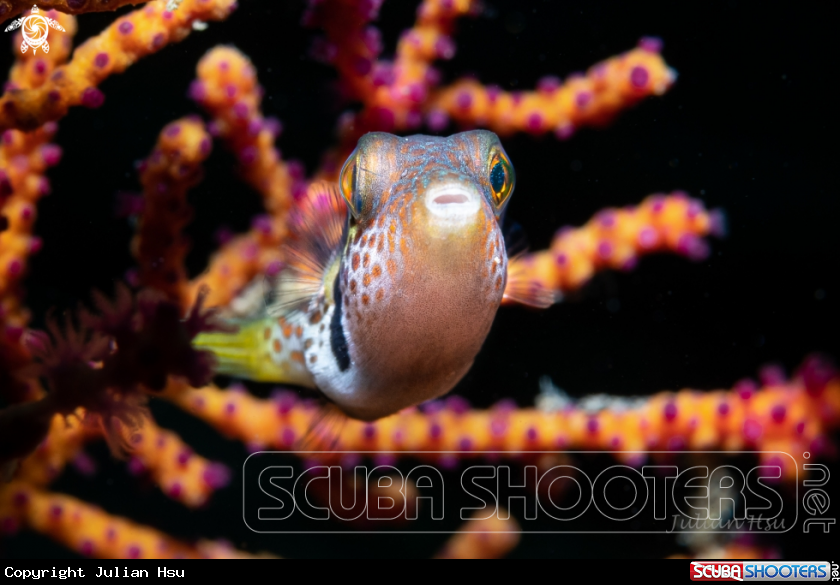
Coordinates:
x,y
167,175
227,89
794,416
128,39
63,443
583,100
90,531
181,474
489,538
24,158
106,364
10,8
616,238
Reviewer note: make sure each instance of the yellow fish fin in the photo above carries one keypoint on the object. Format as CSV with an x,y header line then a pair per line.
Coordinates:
x,y
247,353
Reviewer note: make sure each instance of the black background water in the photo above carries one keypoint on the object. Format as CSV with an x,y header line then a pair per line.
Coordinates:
x,y
750,126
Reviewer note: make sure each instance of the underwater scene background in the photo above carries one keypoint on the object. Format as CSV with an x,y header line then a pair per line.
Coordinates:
x,y
748,127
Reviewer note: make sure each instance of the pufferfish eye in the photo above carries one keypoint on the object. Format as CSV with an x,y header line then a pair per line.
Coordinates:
x,y
347,185
502,179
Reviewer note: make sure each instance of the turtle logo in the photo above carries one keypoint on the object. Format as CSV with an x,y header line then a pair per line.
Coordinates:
x,y
34,30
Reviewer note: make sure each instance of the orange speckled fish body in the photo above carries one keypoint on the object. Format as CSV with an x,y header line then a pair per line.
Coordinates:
x,y
394,276
423,272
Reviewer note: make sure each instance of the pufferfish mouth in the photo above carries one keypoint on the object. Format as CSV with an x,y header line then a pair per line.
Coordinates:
x,y
453,201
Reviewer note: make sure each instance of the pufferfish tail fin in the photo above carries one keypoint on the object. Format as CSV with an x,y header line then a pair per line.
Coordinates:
x,y
246,353
317,227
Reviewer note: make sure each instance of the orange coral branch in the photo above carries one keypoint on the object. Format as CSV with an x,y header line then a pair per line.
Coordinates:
x,y
592,99
393,93
793,416
351,46
64,441
413,76
91,531
615,238
399,96
24,158
22,427
181,474
167,175
10,8
488,538
128,39
227,88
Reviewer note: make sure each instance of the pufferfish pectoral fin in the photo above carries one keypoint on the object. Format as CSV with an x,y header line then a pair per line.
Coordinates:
x,y
523,289
325,429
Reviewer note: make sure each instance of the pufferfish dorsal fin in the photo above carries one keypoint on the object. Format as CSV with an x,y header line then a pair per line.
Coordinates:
x,y
523,289
317,231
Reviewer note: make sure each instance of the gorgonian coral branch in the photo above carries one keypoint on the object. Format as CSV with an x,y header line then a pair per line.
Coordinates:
x,y
91,531
393,93
24,159
592,99
487,538
128,39
350,44
106,364
227,88
173,168
161,455
182,474
793,416
615,239
10,8
400,95
64,441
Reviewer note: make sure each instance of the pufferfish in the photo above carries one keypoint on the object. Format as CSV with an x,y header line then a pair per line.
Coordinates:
x,y
392,278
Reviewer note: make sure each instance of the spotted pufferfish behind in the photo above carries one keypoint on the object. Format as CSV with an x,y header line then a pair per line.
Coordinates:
x,y
393,277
